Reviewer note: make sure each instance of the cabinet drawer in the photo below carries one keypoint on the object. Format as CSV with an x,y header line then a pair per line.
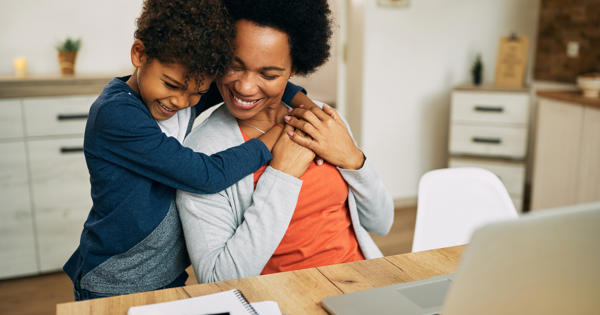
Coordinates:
x,y
56,115
11,121
17,245
511,174
499,107
61,197
508,142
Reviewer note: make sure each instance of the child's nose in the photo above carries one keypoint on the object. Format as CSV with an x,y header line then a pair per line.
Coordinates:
x,y
181,101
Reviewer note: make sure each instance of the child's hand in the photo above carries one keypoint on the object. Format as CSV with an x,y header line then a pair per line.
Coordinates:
x,y
290,157
271,136
326,135
301,100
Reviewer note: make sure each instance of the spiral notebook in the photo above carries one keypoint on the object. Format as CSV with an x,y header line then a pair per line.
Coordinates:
x,y
230,302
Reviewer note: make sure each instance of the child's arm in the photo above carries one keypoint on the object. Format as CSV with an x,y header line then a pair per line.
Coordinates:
x,y
128,136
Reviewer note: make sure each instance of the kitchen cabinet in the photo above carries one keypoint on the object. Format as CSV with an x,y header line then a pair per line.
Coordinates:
x,y
489,129
17,243
566,167
44,182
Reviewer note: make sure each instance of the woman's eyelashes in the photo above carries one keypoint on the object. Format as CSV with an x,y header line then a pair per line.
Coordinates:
x,y
270,77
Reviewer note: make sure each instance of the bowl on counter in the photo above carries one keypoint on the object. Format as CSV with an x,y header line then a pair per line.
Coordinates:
x,y
589,84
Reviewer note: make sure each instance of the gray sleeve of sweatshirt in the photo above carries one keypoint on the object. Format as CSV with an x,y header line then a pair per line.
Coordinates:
x,y
227,242
373,201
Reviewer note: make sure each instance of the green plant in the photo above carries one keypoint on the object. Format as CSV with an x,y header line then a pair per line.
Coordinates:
x,y
69,44
477,70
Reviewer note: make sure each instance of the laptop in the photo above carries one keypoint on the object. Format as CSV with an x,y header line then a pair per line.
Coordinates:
x,y
546,262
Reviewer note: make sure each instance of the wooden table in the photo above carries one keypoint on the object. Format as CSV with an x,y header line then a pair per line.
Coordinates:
x,y
296,292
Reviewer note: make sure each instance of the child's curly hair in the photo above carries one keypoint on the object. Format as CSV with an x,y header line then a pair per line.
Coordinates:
x,y
196,34
306,22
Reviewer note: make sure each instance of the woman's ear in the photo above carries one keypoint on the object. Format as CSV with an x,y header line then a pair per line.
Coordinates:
x,y
138,53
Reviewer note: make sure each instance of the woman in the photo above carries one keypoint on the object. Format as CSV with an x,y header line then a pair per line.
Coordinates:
x,y
291,214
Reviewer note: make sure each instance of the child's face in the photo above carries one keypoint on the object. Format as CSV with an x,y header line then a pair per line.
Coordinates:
x,y
162,88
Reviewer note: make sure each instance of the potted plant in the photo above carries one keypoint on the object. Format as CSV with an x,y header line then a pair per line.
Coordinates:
x,y
477,71
67,52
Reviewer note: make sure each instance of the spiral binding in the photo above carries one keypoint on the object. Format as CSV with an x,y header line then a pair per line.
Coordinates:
x,y
245,302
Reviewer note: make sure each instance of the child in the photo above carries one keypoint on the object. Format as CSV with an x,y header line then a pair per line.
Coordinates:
x,y
132,239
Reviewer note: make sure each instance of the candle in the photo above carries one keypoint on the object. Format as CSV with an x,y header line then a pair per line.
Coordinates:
x,y
20,67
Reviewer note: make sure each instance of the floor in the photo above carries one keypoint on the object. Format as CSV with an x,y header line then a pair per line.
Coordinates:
x,y
39,295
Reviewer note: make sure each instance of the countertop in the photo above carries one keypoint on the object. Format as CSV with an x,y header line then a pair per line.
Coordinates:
x,y
53,85
570,97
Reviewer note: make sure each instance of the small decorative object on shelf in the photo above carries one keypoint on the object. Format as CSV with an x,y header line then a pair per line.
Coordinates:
x,y
590,84
511,61
67,53
477,70
20,64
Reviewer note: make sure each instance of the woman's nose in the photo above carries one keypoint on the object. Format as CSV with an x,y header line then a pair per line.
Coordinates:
x,y
247,84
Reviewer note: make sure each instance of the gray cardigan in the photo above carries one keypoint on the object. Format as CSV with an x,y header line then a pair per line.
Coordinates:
x,y
233,234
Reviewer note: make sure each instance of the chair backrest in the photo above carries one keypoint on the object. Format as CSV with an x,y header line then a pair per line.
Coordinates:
x,y
453,202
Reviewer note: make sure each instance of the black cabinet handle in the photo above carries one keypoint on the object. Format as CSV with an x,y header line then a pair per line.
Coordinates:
x,y
487,140
484,108
71,116
65,150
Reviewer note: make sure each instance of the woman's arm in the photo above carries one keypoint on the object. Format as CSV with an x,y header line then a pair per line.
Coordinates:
x,y
328,136
373,201
234,233
225,241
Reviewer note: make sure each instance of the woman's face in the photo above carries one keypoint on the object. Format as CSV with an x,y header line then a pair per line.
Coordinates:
x,y
261,68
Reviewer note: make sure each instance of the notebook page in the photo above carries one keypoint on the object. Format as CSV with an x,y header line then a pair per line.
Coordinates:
x,y
222,302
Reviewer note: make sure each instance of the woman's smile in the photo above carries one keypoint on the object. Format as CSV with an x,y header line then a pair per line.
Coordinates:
x,y
241,103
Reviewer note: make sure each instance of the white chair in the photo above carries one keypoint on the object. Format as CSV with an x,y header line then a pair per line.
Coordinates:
x,y
453,202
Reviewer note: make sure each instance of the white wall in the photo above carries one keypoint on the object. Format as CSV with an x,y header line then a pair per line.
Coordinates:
x,y
31,28
412,59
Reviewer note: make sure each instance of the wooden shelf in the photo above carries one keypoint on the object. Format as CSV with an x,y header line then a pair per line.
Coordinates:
x,y
53,85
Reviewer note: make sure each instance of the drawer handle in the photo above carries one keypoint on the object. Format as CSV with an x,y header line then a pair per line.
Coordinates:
x,y
71,149
71,116
483,108
487,140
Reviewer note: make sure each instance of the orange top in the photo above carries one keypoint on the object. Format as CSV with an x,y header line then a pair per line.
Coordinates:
x,y
320,232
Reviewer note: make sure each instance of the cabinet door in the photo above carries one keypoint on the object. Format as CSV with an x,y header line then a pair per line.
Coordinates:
x,y
64,115
589,166
556,155
17,244
61,197
11,121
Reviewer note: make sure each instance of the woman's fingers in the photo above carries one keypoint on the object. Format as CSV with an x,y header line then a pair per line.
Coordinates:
x,y
303,125
302,139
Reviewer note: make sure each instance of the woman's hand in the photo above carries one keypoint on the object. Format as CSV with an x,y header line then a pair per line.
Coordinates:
x,y
270,137
326,135
290,157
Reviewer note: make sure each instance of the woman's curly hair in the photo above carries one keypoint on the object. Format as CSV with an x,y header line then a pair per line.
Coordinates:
x,y
306,22
196,34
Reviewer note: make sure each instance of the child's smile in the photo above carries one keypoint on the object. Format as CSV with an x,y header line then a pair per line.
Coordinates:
x,y
164,87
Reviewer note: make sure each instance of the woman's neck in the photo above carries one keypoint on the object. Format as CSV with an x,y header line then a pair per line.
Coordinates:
x,y
254,127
